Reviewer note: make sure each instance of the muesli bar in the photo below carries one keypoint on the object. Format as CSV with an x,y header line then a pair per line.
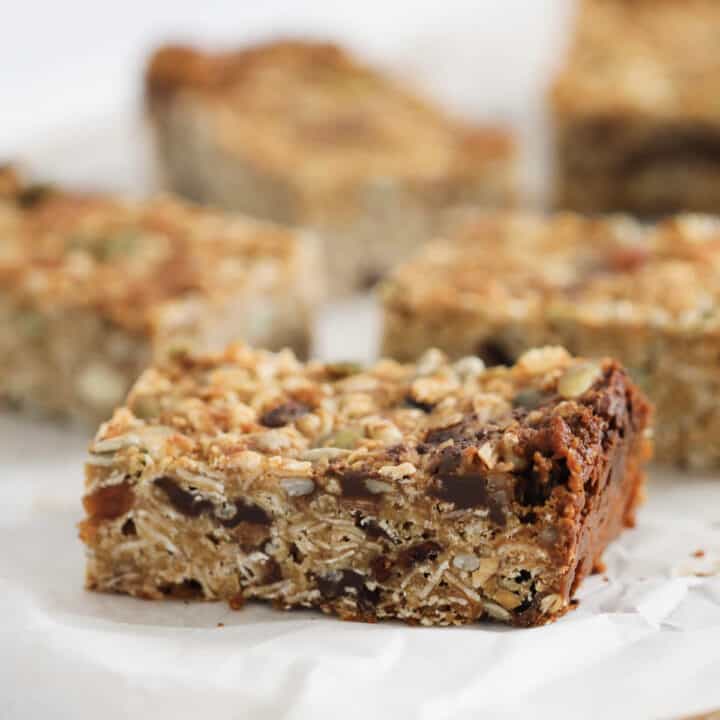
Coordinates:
x,y
436,493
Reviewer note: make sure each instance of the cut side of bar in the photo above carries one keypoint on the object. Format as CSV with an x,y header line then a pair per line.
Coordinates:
x,y
435,493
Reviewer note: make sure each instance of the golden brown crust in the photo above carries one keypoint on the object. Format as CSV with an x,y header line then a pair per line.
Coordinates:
x,y
612,270
311,110
126,259
643,58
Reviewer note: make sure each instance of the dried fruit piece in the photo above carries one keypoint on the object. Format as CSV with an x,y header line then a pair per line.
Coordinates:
x,y
109,502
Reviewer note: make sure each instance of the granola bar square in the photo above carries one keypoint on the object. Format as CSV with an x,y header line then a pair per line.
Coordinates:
x,y
435,493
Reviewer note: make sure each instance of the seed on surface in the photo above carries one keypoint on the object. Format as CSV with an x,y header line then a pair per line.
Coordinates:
x,y
296,487
466,562
578,379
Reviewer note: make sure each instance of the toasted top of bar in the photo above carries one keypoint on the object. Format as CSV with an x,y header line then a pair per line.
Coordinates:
x,y
310,110
62,250
643,58
506,266
250,416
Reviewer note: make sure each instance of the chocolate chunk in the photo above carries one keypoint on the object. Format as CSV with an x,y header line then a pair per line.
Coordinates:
x,y
283,414
193,506
523,576
185,590
348,582
470,491
295,553
370,527
272,572
381,568
183,501
493,353
410,401
352,483
128,528
441,435
448,461
420,552
246,512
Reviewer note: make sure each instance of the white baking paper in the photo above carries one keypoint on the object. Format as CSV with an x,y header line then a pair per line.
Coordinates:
x,y
643,643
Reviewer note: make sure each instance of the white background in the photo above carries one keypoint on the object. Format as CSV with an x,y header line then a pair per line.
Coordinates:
x,y
67,69
645,643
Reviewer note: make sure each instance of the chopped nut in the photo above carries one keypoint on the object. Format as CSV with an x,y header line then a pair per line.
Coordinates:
x,y
384,431
109,445
507,599
578,379
272,441
295,487
487,567
431,390
430,361
551,604
249,463
487,452
543,359
469,367
357,405
466,562
496,612
377,486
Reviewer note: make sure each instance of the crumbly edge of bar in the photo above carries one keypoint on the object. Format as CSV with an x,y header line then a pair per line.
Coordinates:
x,y
146,534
